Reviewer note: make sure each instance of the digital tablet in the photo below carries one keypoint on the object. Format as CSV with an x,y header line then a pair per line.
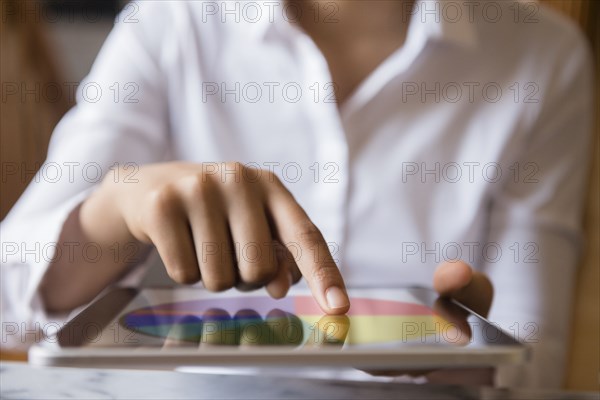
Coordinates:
x,y
399,328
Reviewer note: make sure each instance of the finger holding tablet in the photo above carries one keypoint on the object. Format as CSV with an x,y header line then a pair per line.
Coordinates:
x,y
456,280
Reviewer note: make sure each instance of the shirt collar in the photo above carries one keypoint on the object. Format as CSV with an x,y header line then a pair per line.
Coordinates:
x,y
430,20
444,22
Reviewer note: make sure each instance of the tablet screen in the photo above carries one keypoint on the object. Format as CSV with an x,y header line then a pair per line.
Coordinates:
x,y
192,317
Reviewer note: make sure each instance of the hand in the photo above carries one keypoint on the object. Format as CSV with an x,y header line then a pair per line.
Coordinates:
x,y
457,280
224,224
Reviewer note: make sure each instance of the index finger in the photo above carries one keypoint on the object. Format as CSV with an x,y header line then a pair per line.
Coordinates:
x,y
293,226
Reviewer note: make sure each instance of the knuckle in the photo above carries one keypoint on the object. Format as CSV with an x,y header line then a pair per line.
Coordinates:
x,y
184,276
308,232
233,174
218,284
160,203
324,273
270,179
256,275
196,185
163,197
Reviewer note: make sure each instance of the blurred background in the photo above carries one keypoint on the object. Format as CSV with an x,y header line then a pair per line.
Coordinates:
x,y
48,46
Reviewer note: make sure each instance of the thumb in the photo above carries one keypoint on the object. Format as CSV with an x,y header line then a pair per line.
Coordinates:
x,y
456,279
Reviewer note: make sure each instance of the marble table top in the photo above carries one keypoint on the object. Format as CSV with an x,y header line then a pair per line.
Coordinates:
x,y
22,381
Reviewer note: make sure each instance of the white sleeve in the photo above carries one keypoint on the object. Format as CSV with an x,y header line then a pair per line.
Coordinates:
x,y
536,221
121,117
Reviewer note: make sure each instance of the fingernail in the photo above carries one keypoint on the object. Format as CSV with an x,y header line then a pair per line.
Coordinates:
x,y
336,298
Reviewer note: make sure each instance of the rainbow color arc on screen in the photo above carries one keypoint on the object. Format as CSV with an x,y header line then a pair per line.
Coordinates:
x,y
368,322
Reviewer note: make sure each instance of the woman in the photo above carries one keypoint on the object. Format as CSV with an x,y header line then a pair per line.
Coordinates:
x,y
349,143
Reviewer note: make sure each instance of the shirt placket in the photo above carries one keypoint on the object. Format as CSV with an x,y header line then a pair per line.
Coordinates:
x,y
330,144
